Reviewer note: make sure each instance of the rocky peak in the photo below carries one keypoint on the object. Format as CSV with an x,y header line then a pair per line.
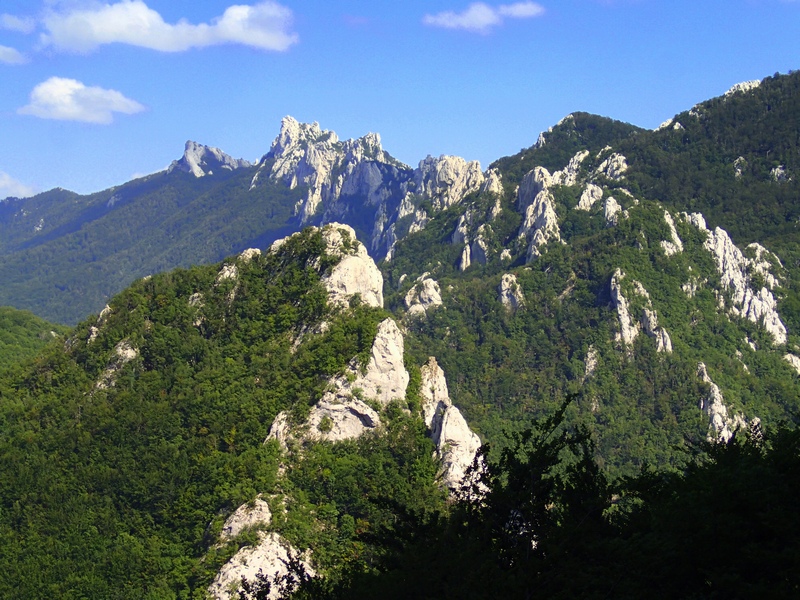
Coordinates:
x,y
200,160
356,272
743,87
304,154
294,134
447,179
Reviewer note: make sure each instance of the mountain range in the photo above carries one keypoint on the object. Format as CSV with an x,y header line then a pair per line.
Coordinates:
x,y
288,358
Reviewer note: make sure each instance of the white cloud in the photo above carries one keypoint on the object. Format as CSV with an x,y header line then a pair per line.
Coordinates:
x,y
521,10
10,56
11,187
70,100
481,18
20,24
266,26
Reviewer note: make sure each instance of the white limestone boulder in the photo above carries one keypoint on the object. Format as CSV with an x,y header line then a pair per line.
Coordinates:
x,y
510,292
423,296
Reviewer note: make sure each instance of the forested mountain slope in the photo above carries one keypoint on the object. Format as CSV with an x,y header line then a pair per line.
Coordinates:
x,y
298,408
23,334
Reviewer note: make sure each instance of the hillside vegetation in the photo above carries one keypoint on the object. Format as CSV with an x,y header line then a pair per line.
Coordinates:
x,y
614,311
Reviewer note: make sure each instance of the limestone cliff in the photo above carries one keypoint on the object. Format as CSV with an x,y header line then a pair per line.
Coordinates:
x,y
456,444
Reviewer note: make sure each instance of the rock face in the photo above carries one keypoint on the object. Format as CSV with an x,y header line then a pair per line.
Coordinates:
x,y
356,178
342,412
674,245
510,292
629,328
423,296
540,223
271,557
447,179
202,160
456,444
614,167
591,194
743,87
736,274
124,353
778,174
612,210
720,426
245,517
356,273
590,363
794,361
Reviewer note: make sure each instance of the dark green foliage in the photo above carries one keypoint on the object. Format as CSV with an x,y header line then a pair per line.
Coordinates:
x,y
551,525
693,168
117,491
23,334
577,132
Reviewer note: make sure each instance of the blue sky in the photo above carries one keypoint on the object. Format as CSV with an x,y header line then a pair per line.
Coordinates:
x,y
93,93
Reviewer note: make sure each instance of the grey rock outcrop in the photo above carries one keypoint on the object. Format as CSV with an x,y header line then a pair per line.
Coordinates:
x,y
346,179
629,327
569,174
200,160
736,274
343,412
721,427
540,222
612,210
446,180
743,87
479,249
271,556
794,361
590,363
424,296
778,174
456,444
510,292
124,353
246,517
739,165
614,167
591,194
304,154
674,245
466,258
356,272
492,183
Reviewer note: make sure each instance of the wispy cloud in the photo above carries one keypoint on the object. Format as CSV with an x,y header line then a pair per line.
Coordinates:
x,y
11,187
481,18
19,24
266,26
70,100
10,56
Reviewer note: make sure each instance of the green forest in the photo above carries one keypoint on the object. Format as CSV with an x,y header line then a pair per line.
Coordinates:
x,y
129,439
